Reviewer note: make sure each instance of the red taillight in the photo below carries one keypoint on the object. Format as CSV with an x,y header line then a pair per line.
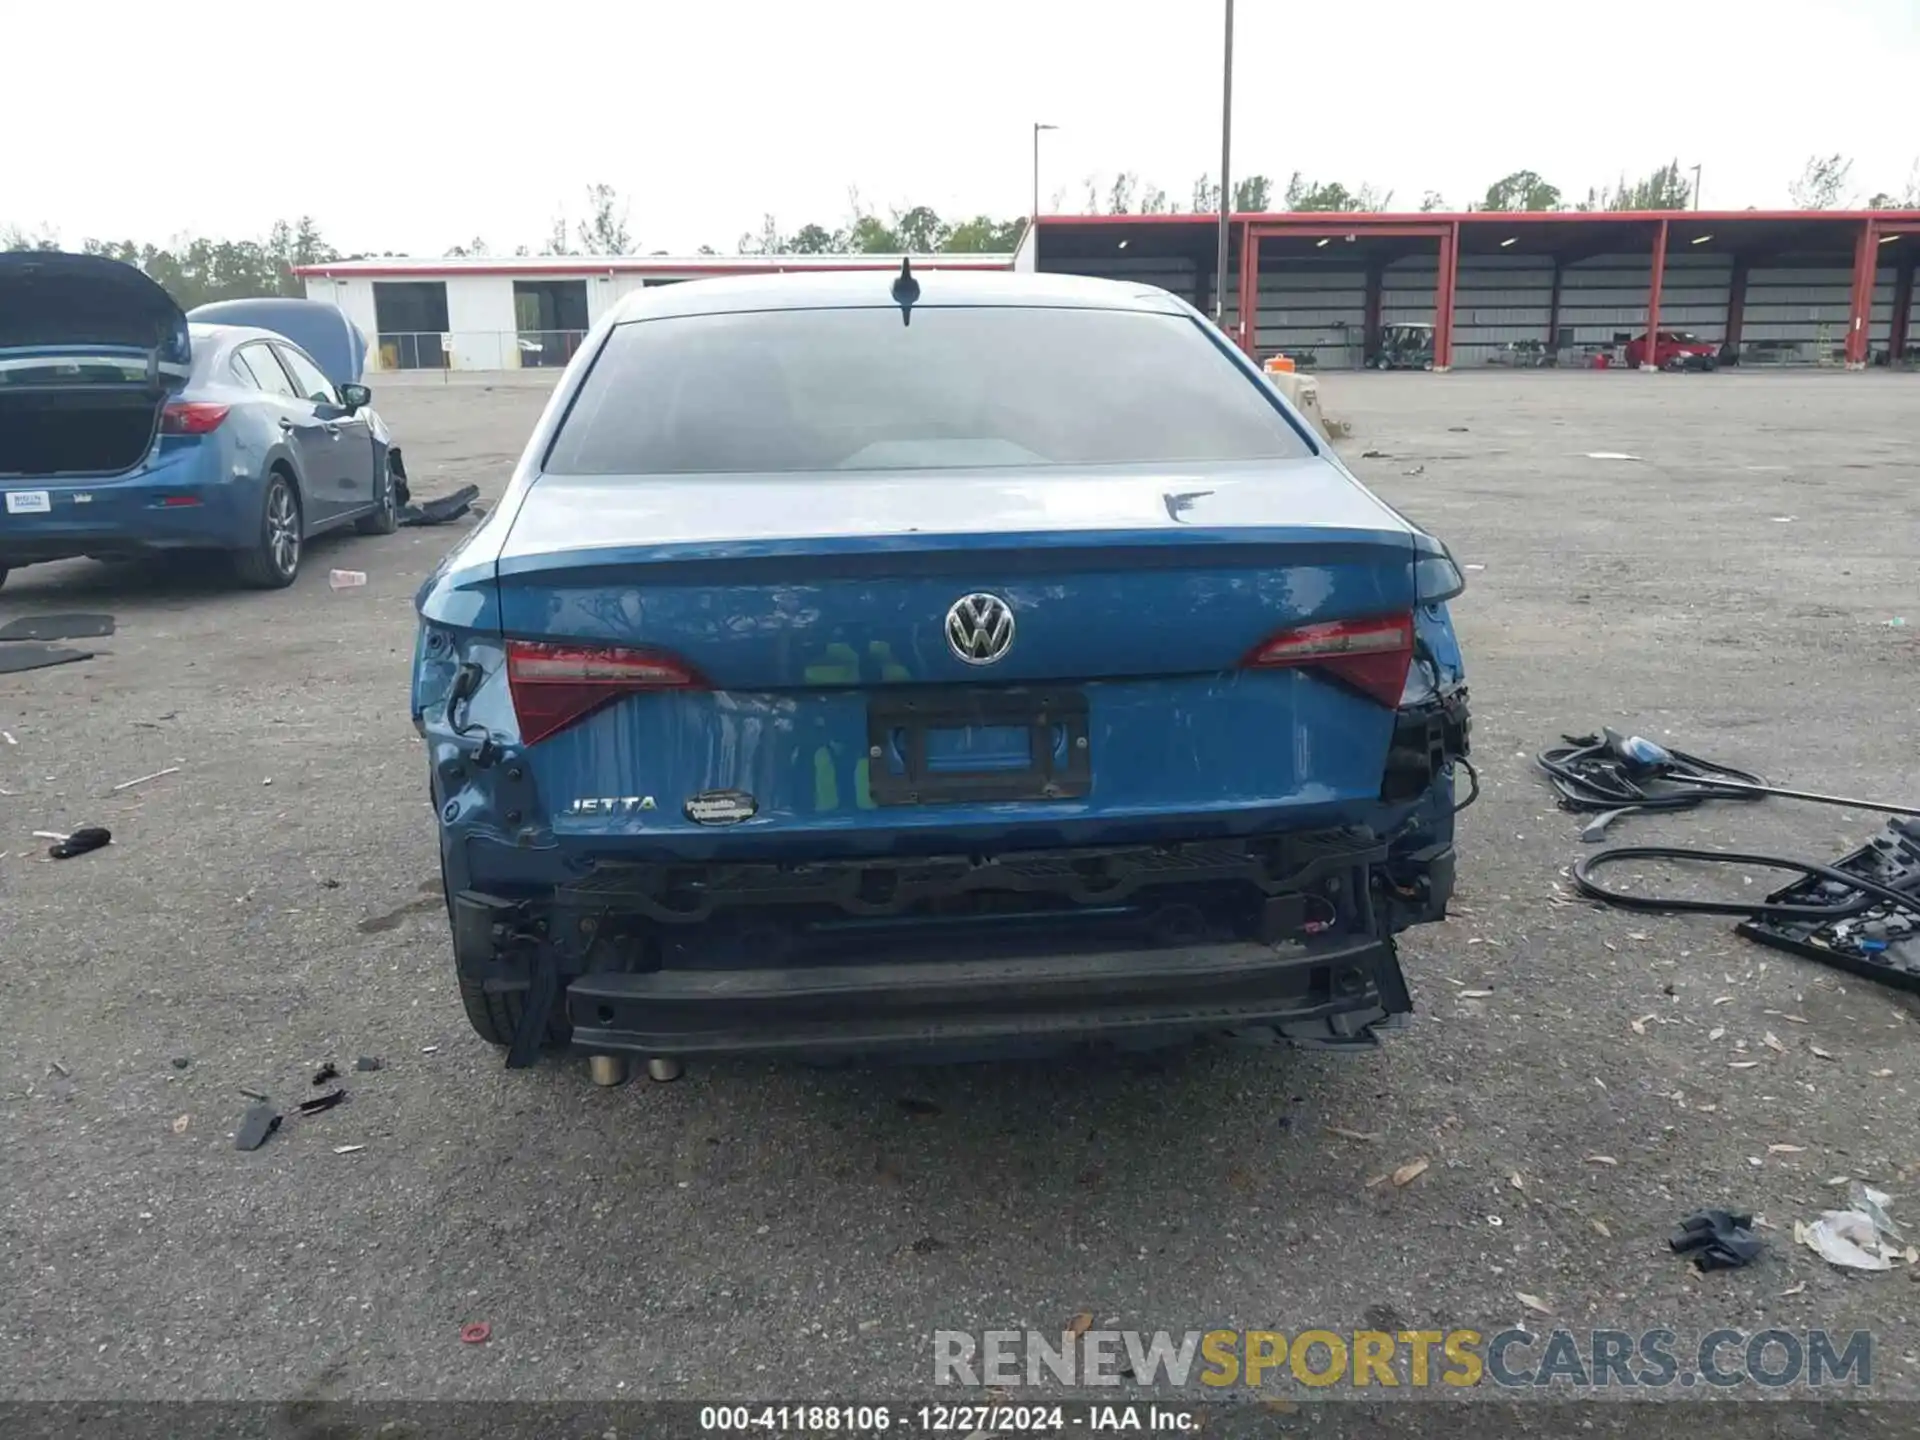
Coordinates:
x,y
192,417
1370,655
555,685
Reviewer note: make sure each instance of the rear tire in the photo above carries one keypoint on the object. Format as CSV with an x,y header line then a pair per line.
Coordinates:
x,y
273,560
386,516
495,1015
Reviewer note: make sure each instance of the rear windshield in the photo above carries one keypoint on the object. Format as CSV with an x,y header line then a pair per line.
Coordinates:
x,y
808,390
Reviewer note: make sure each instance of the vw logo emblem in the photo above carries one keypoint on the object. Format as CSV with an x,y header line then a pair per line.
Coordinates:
x,y
980,628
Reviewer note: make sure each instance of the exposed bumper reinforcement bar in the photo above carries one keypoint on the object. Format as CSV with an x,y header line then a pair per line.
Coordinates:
x,y
1327,995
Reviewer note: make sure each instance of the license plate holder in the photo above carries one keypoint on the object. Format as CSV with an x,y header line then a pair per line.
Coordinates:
x,y
29,502
1059,766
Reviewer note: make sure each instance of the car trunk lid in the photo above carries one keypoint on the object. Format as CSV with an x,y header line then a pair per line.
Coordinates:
x,y
801,625
754,582
90,351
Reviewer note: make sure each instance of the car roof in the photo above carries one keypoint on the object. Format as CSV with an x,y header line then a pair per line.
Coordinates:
x,y
848,289
234,334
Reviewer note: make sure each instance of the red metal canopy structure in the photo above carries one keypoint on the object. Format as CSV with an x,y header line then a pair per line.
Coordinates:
x,y
1860,242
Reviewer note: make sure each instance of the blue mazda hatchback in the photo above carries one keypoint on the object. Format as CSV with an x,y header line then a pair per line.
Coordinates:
x,y
943,665
125,430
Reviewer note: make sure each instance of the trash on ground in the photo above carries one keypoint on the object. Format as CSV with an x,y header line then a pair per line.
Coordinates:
x,y
326,1072
1476,567
57,627
7,735
1717,1239
367,1062
31,655
1410,1172
1533,1302
1600,1229
1786,1149
251,1094
181,1062
1819,1054
1793,1290
1610,455
477,1333
1872,1203
256,1125
143,779
1845,1238
86,838
1375,455
1863,1237
320,1104
347,1149
180,1123
1416,470
346,579
440,512
1601,1160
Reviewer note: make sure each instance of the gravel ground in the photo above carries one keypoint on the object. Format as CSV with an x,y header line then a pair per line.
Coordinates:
x,y
784,1232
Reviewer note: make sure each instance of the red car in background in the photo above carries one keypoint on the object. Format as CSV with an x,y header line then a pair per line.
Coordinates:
x,y
1675,350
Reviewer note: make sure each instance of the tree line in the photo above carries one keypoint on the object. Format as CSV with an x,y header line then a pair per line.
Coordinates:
x,y
198,269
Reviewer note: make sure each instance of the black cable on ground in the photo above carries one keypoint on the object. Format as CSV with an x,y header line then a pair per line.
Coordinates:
x,y
1473,775
1590,774
1870,893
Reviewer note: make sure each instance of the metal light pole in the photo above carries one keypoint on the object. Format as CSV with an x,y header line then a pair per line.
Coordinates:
x,y
1226,181
1696,187
1037,128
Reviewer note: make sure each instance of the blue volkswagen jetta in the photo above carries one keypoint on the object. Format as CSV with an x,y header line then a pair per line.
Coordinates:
x,y
126,430
945,665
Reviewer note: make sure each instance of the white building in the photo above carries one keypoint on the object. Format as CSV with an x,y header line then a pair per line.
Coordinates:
x,y
503,313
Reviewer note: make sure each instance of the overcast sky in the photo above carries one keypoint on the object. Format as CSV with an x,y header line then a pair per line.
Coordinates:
x,y
414,127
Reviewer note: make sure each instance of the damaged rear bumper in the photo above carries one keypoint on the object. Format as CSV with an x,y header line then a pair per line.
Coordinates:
x,y
1331,996
1287,936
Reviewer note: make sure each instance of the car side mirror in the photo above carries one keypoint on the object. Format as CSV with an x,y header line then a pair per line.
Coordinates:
x,y
355,397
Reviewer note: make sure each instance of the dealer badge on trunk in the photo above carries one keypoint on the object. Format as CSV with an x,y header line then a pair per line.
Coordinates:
x,y
980,628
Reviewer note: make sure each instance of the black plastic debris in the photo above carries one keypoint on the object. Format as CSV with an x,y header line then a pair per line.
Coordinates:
x,y
57,627
367,1062
442,511
1862,913
1717,1239
31,655
181,1062
256,1125
326,1072
86,838
320,1104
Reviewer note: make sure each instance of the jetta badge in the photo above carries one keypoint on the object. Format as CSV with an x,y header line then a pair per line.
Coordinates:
x,y
980,628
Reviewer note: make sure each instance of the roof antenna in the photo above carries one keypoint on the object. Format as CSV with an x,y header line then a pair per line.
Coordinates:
x,y
906,290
